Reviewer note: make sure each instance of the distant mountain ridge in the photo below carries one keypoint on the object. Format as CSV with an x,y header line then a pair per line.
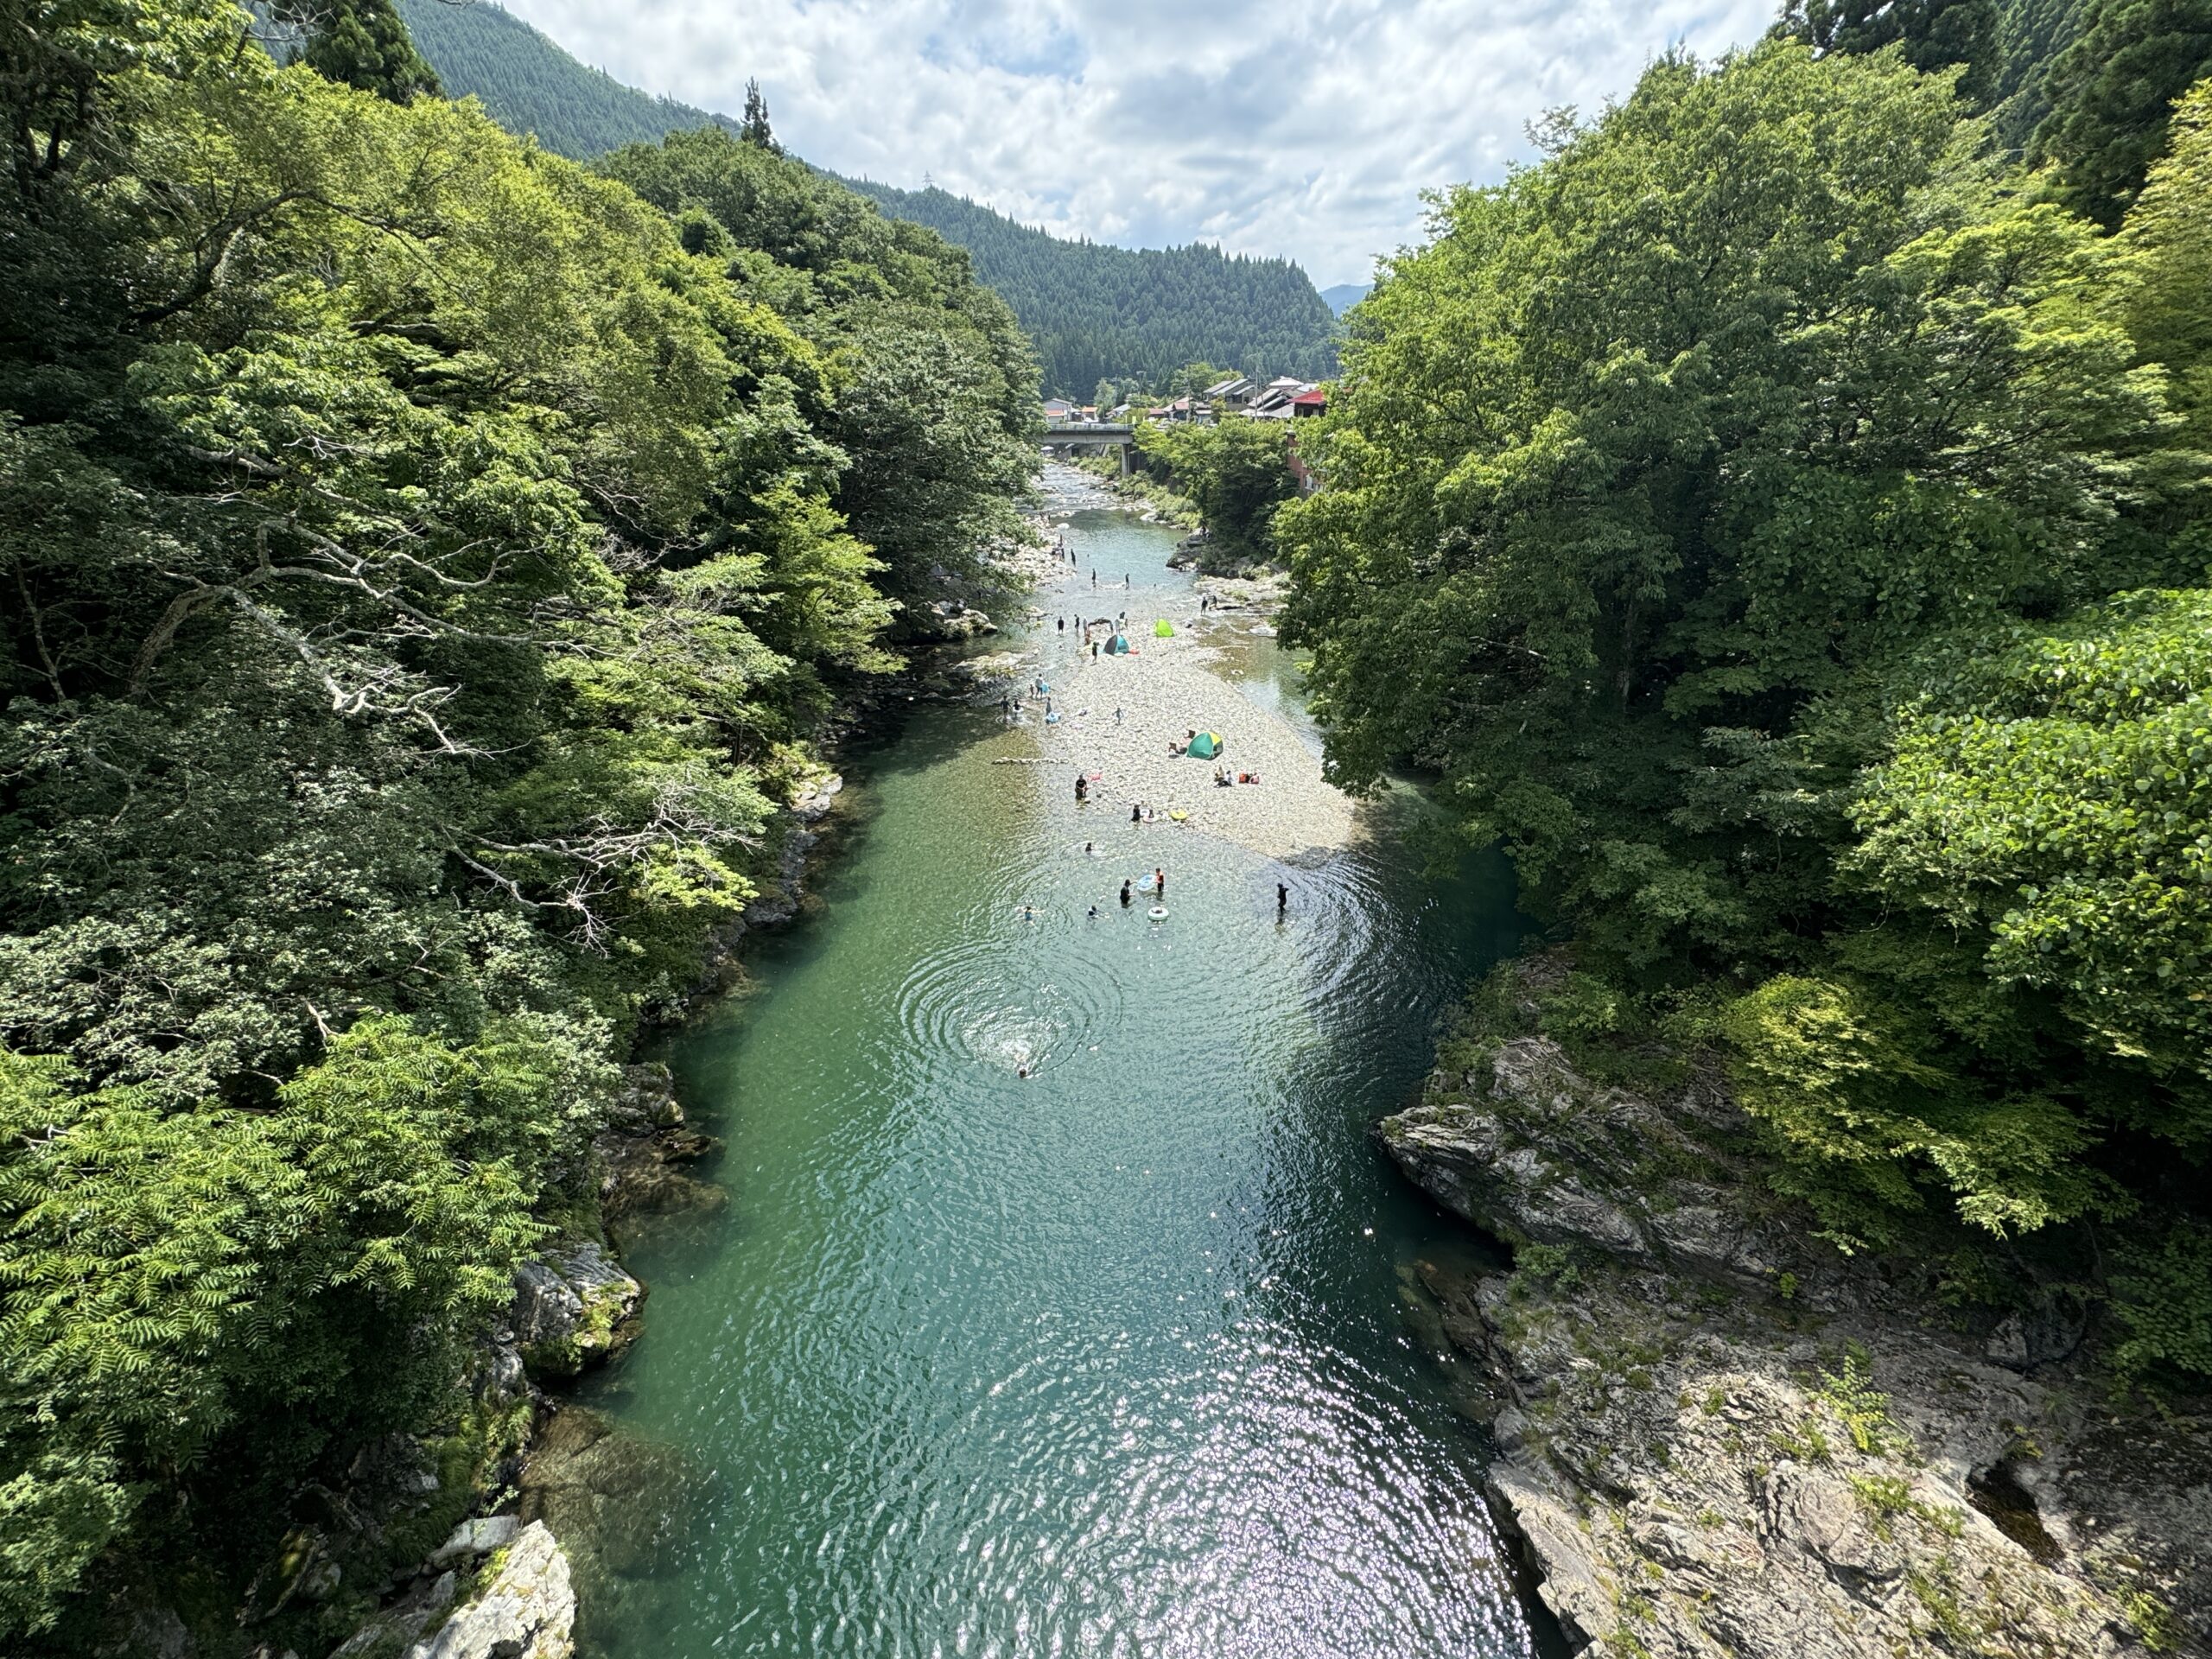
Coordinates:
x,y
1344,296
1098,312
1095,312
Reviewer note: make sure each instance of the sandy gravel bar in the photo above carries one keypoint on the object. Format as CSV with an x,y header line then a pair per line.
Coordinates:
x,y
1163,689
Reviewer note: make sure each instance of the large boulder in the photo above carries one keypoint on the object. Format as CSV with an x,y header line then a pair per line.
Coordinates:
x,y
527,1611
573,1308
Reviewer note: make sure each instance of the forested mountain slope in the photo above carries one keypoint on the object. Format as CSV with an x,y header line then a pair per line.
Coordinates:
x,y
2081,87
428,564
1096,312
528,84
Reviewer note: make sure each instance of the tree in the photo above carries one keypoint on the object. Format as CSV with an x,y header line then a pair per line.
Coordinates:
x,y
363,43
754,129
1932,33
1660,484
1237,473
2112,94
429,563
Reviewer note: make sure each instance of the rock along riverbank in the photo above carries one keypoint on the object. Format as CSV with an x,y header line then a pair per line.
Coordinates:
x,y
1716,1441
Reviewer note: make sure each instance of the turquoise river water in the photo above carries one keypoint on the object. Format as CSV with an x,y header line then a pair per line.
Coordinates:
x,y
1110,1360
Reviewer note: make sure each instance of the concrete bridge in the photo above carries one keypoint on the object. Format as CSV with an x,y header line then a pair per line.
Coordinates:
x,y
1089,437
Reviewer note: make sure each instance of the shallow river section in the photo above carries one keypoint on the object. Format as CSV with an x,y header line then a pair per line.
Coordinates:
x,y
1109,1359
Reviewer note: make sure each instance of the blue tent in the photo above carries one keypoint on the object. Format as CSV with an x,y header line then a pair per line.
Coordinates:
x,y
1118,648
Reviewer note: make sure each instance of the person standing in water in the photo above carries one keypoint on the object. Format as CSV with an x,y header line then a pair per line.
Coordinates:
x,y
1136,813
1282,899
1081,789
1125,893
1159,882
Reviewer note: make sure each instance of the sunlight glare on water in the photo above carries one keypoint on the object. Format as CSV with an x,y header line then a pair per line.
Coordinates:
x,y
1111,1360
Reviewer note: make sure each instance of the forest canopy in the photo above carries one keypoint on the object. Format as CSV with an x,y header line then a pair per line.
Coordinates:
x,y
428,563
1779,521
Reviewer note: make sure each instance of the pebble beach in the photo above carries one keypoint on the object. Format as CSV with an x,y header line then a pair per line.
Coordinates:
x,y
1163,689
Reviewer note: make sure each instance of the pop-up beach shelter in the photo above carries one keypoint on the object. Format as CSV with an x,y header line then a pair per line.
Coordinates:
x,y
1163,629
1206,746
1117,647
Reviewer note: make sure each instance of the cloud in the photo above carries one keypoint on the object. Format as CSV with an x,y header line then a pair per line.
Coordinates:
x,y
1301,127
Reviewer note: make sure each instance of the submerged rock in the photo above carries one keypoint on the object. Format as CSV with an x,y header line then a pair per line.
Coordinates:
x,y
622,1506
647,1149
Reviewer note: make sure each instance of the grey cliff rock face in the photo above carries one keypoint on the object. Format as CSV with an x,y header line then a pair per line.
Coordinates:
x,y
1703,1458
527,1611
573,1308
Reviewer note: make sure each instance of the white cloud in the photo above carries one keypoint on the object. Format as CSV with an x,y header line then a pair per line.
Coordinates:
x,y
1301,127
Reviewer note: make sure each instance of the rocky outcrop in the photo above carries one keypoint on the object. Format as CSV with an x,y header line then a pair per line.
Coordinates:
x,y
1529,1149
573,1308
527,1610
950,619
647,1149
1717,1439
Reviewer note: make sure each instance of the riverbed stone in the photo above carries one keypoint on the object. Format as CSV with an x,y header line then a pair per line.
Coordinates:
x,y
527,1611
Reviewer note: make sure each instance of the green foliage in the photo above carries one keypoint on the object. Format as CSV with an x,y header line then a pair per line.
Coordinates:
x,y
2162,1296
2168,247
365,44
2111,94
1236,472
1863,1115
2045,790
427,562
1772,524
935,401
1931,34
170,1281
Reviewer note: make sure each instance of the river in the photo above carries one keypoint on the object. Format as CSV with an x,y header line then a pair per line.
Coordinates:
x,y
1112,1359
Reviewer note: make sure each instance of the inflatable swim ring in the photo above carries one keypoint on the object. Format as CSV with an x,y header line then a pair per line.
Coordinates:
x,y
1158,913
1177,814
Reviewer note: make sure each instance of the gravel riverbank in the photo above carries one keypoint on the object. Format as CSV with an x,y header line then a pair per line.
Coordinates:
x,y
1120,715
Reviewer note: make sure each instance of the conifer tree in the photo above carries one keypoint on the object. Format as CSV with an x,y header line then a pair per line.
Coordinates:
x,y
365,44
755,129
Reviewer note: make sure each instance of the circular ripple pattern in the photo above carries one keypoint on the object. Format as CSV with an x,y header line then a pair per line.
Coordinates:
x,y
1104,1359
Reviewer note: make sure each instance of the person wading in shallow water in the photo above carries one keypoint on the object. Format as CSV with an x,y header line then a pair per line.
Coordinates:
x,y
1081,789
1282,897
1159,882
1125,893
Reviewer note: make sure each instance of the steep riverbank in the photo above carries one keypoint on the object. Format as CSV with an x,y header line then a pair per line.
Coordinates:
x,y
1718,1438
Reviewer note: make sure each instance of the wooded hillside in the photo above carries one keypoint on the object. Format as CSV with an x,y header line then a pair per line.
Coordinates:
x,y
427,563
1095,312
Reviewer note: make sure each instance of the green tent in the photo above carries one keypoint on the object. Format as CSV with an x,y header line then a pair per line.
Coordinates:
x,y
1206,746
1117,646
1161,630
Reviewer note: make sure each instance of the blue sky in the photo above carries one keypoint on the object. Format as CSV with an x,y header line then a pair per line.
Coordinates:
x,y
1301,127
